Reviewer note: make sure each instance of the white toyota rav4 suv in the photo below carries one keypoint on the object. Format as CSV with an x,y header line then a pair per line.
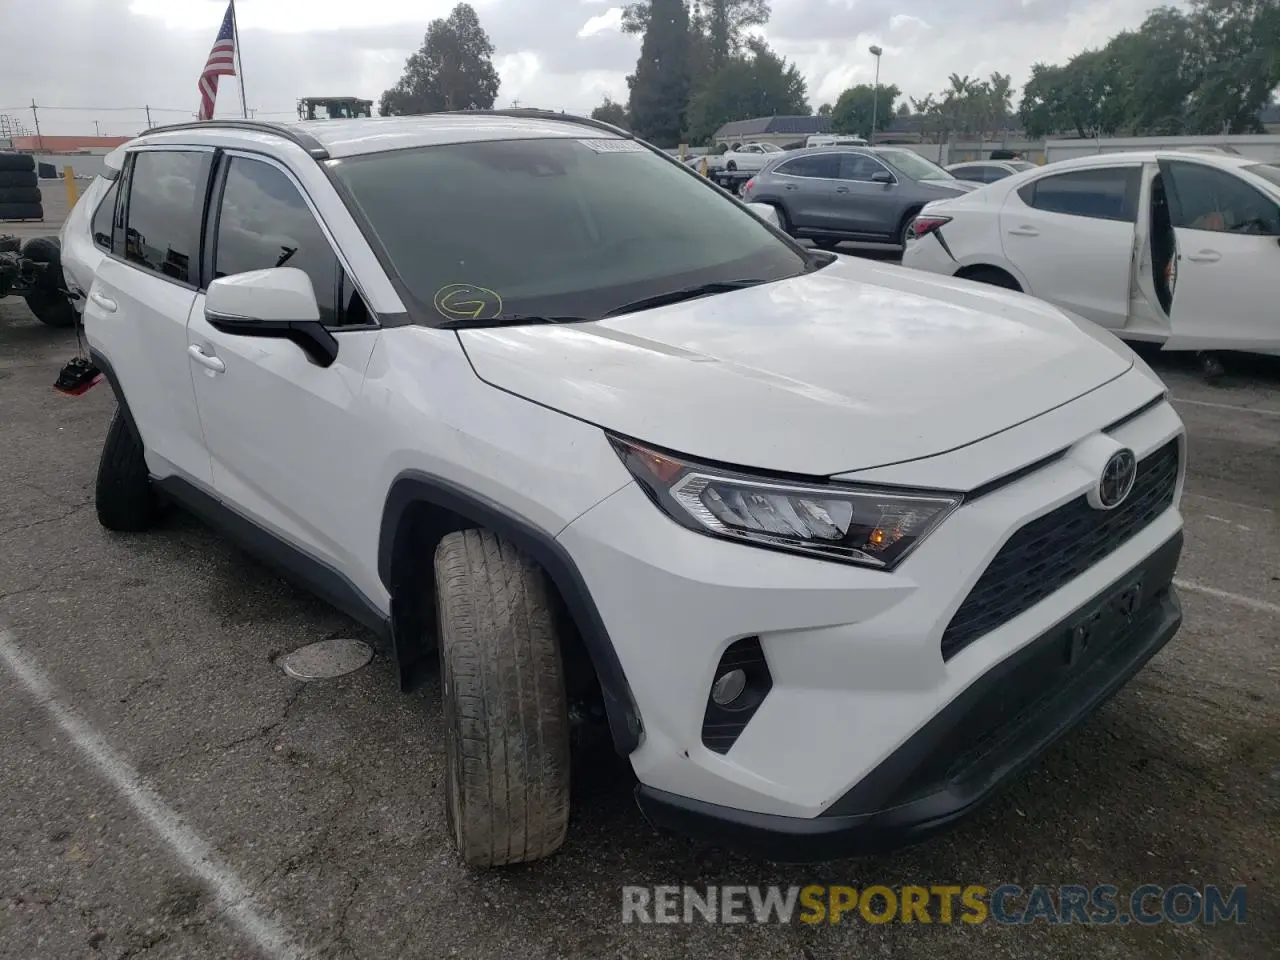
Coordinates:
x,y
831,548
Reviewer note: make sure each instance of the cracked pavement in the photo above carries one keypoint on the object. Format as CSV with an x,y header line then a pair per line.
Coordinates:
x,y
325,798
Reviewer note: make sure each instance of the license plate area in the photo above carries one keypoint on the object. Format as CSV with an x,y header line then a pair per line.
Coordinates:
x,y
1097,630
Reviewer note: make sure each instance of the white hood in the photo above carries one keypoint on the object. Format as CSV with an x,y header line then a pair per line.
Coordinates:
x,y
855,366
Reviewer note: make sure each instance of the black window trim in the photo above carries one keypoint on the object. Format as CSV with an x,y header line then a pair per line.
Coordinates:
x,y
113,183
122,206
778,172
1165,166
1132,202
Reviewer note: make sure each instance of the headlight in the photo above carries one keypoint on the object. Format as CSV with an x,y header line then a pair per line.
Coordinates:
x,y
860,525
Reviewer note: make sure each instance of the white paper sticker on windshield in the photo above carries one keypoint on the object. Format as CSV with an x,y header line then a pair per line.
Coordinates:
x,y
614,145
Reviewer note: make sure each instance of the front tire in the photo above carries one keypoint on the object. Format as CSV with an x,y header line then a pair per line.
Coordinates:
x,y
505,708
124,497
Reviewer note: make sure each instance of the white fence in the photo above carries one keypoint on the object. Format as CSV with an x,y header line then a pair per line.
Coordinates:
x,y
1264,146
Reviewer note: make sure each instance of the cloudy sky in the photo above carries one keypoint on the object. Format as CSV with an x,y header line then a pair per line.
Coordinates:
x,y
110,57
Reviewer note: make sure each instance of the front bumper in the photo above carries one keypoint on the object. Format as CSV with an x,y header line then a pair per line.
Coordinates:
x,y
1000,724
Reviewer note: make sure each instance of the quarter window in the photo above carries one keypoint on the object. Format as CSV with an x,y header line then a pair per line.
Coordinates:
x,y
264,222
1206,198
166,200
104,215
823,166
1105,193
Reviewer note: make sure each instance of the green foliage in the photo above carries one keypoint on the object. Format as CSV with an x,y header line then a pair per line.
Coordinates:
x,y
854,108
758,83
612,112
452,71
660,86
1206,70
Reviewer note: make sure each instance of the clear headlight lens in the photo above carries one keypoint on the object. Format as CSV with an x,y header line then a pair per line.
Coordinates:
x,y
860,525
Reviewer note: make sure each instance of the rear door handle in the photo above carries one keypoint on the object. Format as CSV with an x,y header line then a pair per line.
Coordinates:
x,y
792,186
206,361
842,189
1205,256
1025,232
106,303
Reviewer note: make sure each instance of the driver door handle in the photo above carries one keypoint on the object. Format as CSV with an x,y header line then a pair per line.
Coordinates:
x,y
206,361
1205,256
1025,231
105,303
842,189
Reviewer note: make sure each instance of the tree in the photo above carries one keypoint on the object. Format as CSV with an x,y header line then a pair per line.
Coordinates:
x,y
758,83
453,70
659,98
824,110
721,24
853,110
904,109
1237,53
611,112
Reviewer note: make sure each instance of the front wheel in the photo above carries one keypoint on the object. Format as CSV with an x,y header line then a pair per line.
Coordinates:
x,y
505,710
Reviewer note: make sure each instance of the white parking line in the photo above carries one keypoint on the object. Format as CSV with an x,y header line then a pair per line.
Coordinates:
x,y
1262,606
1229,503
233,897
1228,406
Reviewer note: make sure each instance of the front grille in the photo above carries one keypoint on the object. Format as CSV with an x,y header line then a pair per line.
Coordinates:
x,y
1052,550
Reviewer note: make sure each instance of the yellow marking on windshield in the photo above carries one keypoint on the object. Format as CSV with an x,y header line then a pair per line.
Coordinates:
x,y
466,301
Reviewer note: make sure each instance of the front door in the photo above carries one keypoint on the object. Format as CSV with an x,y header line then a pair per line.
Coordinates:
x,y
864,205
1071,235
1227,231
283,433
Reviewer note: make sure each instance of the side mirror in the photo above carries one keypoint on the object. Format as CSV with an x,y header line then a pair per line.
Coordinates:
x,y
882,176
278,302
766,212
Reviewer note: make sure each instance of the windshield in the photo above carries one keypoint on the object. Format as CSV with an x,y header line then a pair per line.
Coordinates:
x,y
1021,165
559,227
770,148
911,164
1267,171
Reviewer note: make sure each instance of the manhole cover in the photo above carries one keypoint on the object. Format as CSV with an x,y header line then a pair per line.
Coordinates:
x,y
327,659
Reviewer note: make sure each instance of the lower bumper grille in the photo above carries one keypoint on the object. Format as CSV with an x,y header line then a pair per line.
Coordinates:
x,y
1052,550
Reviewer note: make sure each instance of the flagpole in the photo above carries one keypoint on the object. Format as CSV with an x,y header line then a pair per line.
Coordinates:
x,y
235,32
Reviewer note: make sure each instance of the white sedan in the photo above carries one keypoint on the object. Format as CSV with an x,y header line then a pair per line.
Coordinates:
x,y
1177,248
750,156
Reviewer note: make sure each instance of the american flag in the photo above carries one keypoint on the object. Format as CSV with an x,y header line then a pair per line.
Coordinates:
x,y
221,63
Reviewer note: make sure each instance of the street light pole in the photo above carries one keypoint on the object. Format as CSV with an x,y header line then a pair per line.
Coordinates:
x,y
875,93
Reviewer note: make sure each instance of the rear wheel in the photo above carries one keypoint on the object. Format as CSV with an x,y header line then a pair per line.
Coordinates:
x,y
990,275
505,709
52,308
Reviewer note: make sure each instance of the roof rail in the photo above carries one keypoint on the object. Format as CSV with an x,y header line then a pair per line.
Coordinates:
x,y
539,114
307,142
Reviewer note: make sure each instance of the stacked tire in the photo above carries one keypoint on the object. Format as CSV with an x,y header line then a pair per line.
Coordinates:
x,y
20,197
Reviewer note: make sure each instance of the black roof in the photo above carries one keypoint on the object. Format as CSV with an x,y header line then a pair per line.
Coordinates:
x,y
757,126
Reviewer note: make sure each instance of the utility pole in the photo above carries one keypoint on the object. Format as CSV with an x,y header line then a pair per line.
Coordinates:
x,y
36,117
96,131
148,109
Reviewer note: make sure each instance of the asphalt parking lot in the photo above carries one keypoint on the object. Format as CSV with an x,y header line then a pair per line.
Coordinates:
x,y
167,791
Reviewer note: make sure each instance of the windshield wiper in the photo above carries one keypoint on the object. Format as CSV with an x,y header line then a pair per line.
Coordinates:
x,y
685,293
507,320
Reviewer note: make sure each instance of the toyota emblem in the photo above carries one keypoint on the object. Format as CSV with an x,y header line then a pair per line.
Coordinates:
x,y
1117,479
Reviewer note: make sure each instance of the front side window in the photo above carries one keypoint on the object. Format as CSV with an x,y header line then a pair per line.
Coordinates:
x,y
911,164
821,166
105,215
859,166
264,222
1206,198
482,230
166,201
1100,193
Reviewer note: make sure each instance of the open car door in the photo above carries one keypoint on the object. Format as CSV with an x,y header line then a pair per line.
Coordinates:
x,y
1226,295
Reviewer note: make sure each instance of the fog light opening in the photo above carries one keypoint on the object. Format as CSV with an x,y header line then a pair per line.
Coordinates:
x,y
728,687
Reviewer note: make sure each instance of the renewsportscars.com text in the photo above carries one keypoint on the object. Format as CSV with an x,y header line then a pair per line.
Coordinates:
x,y
1006,903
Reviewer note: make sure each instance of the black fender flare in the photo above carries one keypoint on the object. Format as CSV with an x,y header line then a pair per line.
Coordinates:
x,y
109,374
413,486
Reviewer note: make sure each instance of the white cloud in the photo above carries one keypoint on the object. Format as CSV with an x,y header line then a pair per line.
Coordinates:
x,y
611,19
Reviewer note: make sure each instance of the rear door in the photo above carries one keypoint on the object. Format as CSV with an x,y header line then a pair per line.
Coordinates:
x,y
141,295
806,185
1071,235
1227,234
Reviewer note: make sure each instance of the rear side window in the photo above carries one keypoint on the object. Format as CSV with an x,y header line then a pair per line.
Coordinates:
x,y
974,174
1107,193
264,222
103,216
824,166
166,200
1205,198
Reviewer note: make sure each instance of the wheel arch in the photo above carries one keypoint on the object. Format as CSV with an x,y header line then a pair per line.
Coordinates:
x,y
419,510
969,270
